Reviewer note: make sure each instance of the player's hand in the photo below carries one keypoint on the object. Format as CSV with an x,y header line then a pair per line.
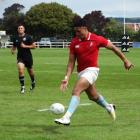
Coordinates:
x,y
63,85
13,52
128,65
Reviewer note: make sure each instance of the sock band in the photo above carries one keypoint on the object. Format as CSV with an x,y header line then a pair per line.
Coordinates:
x,y
21,79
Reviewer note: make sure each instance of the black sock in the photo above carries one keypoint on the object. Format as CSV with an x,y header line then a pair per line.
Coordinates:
x,y
32,78
21,79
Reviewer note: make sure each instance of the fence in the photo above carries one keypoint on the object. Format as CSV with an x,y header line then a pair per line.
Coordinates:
x,y
53,44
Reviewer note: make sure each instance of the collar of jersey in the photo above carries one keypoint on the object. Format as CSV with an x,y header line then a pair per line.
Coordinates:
x,y
87,38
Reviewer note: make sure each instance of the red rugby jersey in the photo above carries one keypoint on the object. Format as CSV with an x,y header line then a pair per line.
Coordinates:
x,y
86,51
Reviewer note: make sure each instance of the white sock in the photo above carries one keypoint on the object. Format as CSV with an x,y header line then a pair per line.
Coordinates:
x,y
102,102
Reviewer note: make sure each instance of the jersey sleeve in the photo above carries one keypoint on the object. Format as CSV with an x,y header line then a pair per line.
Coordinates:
x,y
29,40
14,43
102,41
13,39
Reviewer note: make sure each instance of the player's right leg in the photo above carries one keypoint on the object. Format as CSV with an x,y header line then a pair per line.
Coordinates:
x,y
21,67
100,100
80,86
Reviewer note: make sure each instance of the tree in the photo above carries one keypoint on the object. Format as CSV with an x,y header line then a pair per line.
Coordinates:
x,y
12,17
49,19
96,22
136,37
114,31
1,24
14,9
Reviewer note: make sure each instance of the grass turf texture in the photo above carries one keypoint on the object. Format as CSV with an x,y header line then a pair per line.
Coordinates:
x,y
20,120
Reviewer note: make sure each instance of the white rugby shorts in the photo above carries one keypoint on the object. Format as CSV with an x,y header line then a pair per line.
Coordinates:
x,y
90,73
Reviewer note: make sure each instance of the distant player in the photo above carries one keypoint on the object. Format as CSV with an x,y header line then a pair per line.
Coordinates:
x,y
84,49
24,43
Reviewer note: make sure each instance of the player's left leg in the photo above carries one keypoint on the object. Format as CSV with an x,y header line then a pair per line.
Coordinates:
x,y
100,100
32,76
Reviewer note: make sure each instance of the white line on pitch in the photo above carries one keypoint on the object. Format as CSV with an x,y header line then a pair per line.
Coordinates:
x,y
47,109
85,104
41,110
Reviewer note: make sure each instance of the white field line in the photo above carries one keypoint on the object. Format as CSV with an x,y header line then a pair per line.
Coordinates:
x,y
41,110
47,109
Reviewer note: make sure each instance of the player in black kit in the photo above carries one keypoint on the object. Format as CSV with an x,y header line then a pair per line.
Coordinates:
x,y
23,43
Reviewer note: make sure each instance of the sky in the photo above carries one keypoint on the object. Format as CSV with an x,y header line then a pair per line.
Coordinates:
x,y
109,8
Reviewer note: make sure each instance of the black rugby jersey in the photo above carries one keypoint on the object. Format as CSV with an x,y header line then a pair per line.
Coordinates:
x,y
23,53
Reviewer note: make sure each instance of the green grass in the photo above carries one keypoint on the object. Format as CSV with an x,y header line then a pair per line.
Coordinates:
x,y
20,120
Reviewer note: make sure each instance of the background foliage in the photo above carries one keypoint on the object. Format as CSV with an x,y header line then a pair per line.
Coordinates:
x,y
54,19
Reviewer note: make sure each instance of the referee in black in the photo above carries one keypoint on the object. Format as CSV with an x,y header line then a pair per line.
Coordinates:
x,y
23,43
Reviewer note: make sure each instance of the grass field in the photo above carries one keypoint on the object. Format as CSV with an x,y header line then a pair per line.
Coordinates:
x,y
20,120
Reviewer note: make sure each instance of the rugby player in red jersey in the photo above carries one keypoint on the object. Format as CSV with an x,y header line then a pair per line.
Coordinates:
x,y
84,49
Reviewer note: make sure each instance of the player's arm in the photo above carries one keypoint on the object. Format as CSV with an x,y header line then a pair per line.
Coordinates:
x,y
70,66
32,46
13,49
127,63
69,70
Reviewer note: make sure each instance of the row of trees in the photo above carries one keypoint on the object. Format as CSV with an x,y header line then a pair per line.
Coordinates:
x,y
53,19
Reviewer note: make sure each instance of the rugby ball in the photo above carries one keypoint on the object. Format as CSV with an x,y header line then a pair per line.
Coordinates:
x,y
57,108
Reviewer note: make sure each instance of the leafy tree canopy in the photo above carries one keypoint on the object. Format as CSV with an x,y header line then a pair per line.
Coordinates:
x,y
96,22
49,19
12,17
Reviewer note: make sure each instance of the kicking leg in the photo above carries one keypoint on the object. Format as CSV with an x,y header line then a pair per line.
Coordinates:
x,y
80,86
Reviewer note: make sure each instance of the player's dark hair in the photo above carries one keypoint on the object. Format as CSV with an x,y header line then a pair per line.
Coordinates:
x,y
21,25
80,23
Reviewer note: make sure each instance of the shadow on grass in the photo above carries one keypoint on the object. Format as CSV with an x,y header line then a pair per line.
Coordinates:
x,y
51,129
6,92
91,125
33,128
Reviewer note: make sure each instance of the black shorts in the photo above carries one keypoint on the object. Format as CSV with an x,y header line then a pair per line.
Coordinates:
x,y
28,63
